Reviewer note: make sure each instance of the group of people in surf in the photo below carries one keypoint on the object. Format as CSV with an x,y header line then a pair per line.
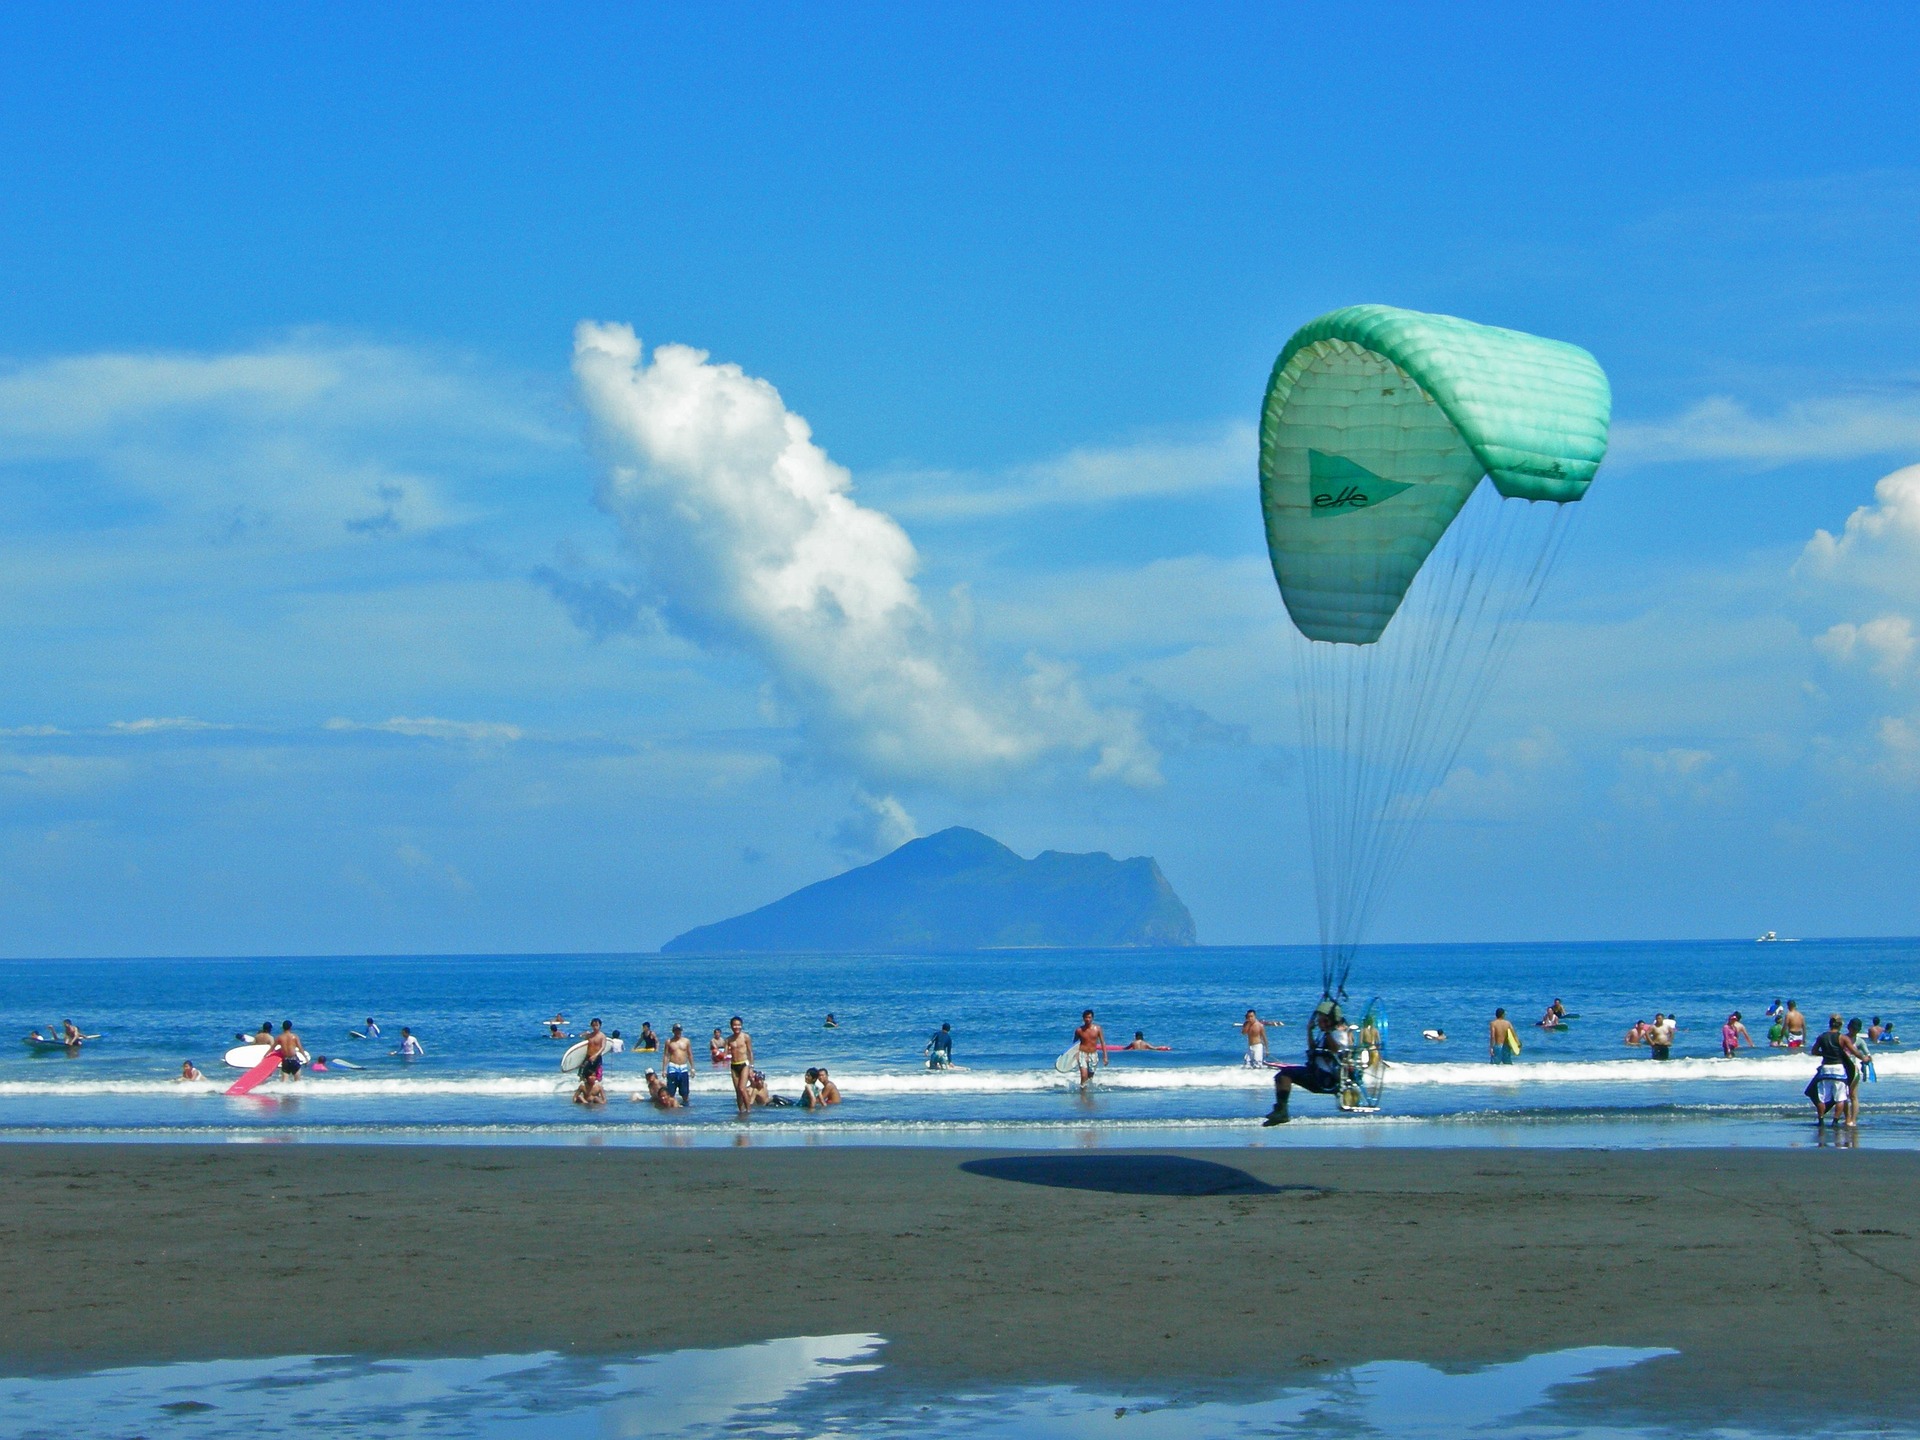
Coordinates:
x,y
674,1089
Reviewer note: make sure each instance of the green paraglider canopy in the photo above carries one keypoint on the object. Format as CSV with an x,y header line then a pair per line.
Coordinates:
x,y
1378,425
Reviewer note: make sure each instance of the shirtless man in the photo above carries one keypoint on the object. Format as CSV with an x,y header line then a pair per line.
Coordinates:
x,y
1796,1027
598,1046
1500,1038
1140,1042
829,1092
740,1057
1256,1032
1660,1037
70,1035
1093,1048
288,1044
679,1058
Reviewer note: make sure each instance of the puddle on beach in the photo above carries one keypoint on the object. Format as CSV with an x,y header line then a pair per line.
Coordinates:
x,y
806,1387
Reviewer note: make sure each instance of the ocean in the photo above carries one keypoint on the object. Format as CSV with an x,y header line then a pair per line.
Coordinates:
x,y
491,1074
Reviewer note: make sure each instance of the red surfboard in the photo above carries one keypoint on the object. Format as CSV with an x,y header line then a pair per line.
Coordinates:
x,y
258,1073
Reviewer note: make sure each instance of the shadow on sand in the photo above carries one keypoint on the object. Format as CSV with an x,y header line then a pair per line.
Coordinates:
x,y
1128,1174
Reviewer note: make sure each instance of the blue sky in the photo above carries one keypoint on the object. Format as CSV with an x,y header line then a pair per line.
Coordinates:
x,y
337,618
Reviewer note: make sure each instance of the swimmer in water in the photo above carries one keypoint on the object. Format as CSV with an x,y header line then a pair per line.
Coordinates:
x,y
1435,1035
188,1071
1139,1042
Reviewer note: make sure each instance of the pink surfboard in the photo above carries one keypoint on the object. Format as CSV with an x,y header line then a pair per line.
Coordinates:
x,y
258,1073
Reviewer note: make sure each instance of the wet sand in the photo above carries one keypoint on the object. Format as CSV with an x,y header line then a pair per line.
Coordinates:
x,y
1162,1269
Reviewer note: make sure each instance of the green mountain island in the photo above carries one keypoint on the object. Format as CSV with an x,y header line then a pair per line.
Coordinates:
x,y
961,890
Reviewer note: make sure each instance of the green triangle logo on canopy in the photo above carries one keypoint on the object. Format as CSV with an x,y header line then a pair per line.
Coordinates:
x,y
1341,487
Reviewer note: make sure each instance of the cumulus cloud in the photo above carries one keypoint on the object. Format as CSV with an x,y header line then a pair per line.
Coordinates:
x,y
751,539
1886,644
1721,428
1886,531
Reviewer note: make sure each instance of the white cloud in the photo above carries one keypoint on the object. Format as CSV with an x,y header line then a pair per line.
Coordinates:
x,y
1887,643
167,722
1880,542
880,824
1831,428
1652,779
428,727
1088,476
750,536
310,439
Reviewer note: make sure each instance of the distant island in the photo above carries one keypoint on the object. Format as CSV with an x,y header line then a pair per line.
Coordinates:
x,y
961,890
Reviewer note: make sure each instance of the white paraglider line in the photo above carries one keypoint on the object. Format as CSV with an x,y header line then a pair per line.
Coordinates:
x,y
1382,724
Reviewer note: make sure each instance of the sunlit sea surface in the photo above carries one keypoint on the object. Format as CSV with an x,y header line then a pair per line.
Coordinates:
x,y
491,1074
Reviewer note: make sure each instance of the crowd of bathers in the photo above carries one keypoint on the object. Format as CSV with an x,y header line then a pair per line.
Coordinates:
x,y
673,1090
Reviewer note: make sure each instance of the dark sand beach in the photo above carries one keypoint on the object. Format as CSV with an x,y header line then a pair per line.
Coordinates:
x,y
1158,1268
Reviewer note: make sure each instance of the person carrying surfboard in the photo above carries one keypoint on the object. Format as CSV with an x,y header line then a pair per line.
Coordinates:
x,y
292,1057
1093,1047
1502,1043
597,1044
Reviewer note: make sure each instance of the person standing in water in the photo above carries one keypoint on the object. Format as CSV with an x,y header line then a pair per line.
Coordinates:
x,y
1795,1024
288,1044
679,1058
372,1032
1501,1041
598,1044
1092,1050
1660,1039
1255,1031
740,1057
940,1048
1733,1035
410,1046
1862,1070
1832,1084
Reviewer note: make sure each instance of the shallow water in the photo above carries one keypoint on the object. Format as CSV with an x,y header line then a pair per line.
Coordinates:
x,y
814,1386
840,1385
491,1074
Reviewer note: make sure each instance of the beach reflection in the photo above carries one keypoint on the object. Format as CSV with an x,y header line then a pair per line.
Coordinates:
x,y
806,1386
832,1385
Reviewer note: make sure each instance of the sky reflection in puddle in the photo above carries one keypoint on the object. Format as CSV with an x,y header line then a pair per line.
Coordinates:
x,y
801,1387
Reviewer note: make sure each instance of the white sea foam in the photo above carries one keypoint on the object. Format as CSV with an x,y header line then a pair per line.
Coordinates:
x,y
1772,1068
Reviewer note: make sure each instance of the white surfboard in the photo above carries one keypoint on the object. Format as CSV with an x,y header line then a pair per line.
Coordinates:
x,y
245,1057
1069,1060
575,1056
